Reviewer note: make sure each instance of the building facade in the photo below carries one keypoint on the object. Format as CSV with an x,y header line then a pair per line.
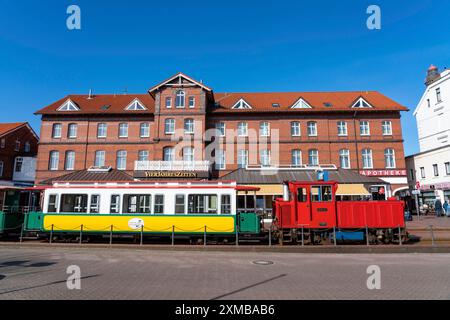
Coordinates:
x,y
429,170
181,128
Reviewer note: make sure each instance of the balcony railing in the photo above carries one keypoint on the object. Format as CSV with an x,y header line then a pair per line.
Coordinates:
x,y
172,166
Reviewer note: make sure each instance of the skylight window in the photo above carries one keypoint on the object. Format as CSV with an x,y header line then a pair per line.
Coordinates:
x,y
135,105
301,104
69,105
361,103
328,104
275,105
242,104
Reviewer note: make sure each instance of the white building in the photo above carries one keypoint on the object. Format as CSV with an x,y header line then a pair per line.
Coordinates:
x,y
24,170
430,168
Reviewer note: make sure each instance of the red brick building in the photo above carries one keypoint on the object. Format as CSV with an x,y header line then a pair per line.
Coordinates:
x,y
181,119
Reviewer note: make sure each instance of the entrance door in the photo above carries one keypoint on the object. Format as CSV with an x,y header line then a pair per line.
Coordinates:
x,y
303,217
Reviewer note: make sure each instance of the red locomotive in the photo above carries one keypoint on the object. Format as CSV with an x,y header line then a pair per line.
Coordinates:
x,y
309,213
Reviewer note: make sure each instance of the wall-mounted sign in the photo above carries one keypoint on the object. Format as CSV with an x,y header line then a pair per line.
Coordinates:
x,y
383,173
172,174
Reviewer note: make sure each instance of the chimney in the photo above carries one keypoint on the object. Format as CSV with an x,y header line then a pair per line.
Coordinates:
x,y
90,94
432,75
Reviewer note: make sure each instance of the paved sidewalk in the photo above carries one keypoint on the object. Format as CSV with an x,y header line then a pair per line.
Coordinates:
x,y
425,222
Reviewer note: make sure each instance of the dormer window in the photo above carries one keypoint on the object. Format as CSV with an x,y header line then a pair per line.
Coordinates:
x,y
301,104
180,99
241,104
135,105
361,103
69,105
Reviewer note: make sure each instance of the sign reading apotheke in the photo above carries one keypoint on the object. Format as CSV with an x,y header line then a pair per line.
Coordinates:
x,y
171,174
383,173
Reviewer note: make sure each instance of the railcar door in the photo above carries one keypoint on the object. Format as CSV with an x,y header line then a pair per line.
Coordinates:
x,y
323,208
303,214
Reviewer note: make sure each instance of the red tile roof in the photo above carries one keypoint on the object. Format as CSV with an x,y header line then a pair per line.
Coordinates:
x,y
7,127
117,104
339,101
260,102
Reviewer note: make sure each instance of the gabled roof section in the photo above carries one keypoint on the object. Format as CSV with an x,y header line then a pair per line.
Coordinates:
x,y
6,128
301,104
242,104
136,104
69,105
88,176
361,103
180,79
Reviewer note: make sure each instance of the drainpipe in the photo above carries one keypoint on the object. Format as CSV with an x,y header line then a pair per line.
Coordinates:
x,y
87,143
356,140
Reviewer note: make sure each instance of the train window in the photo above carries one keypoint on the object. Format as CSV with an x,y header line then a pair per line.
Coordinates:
x,y
159,204
225,204
95,204
321,194
136,203
115,204
302,195
52,203
180,200
76,203
202,203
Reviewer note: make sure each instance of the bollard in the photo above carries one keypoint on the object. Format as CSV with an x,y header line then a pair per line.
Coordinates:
x,y
303,238
51,234
334,231
367,236
237,237
204,237
81,234
21,233
400,236
270,235
432,235
142,235
110,235
173,235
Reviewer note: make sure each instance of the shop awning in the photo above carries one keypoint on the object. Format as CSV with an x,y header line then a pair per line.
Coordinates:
x,y
265,190
352,190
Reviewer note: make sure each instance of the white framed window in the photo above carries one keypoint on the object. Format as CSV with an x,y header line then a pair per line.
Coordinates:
x,y
447,168
312,128
121,160
241,104
168,102
438,95
145,130
313,157
242,158
386,127
72,130
191,102
57,130
18,164
99,160
361,103
188,126
143,155
53,160
436,170
422,172
123,130
220,126
94,206
220,159
296,158
264,129
188,154
102,130
180,100
69,105
295,129
168,154
242,129
135,105
342,128
264,157
344,158
27,147
364,128
367,159
169,126
389,158
1,168
70,160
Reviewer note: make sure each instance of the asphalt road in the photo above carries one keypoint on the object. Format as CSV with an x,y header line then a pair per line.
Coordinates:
x,y
41,273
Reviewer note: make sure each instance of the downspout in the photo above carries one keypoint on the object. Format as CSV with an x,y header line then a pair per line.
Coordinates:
x,y
356,140
87,143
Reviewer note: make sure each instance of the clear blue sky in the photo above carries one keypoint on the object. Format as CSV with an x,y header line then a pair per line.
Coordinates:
x,y
230,45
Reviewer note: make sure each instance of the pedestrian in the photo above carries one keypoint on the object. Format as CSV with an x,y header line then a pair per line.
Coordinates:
x,y
438,207
446,207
